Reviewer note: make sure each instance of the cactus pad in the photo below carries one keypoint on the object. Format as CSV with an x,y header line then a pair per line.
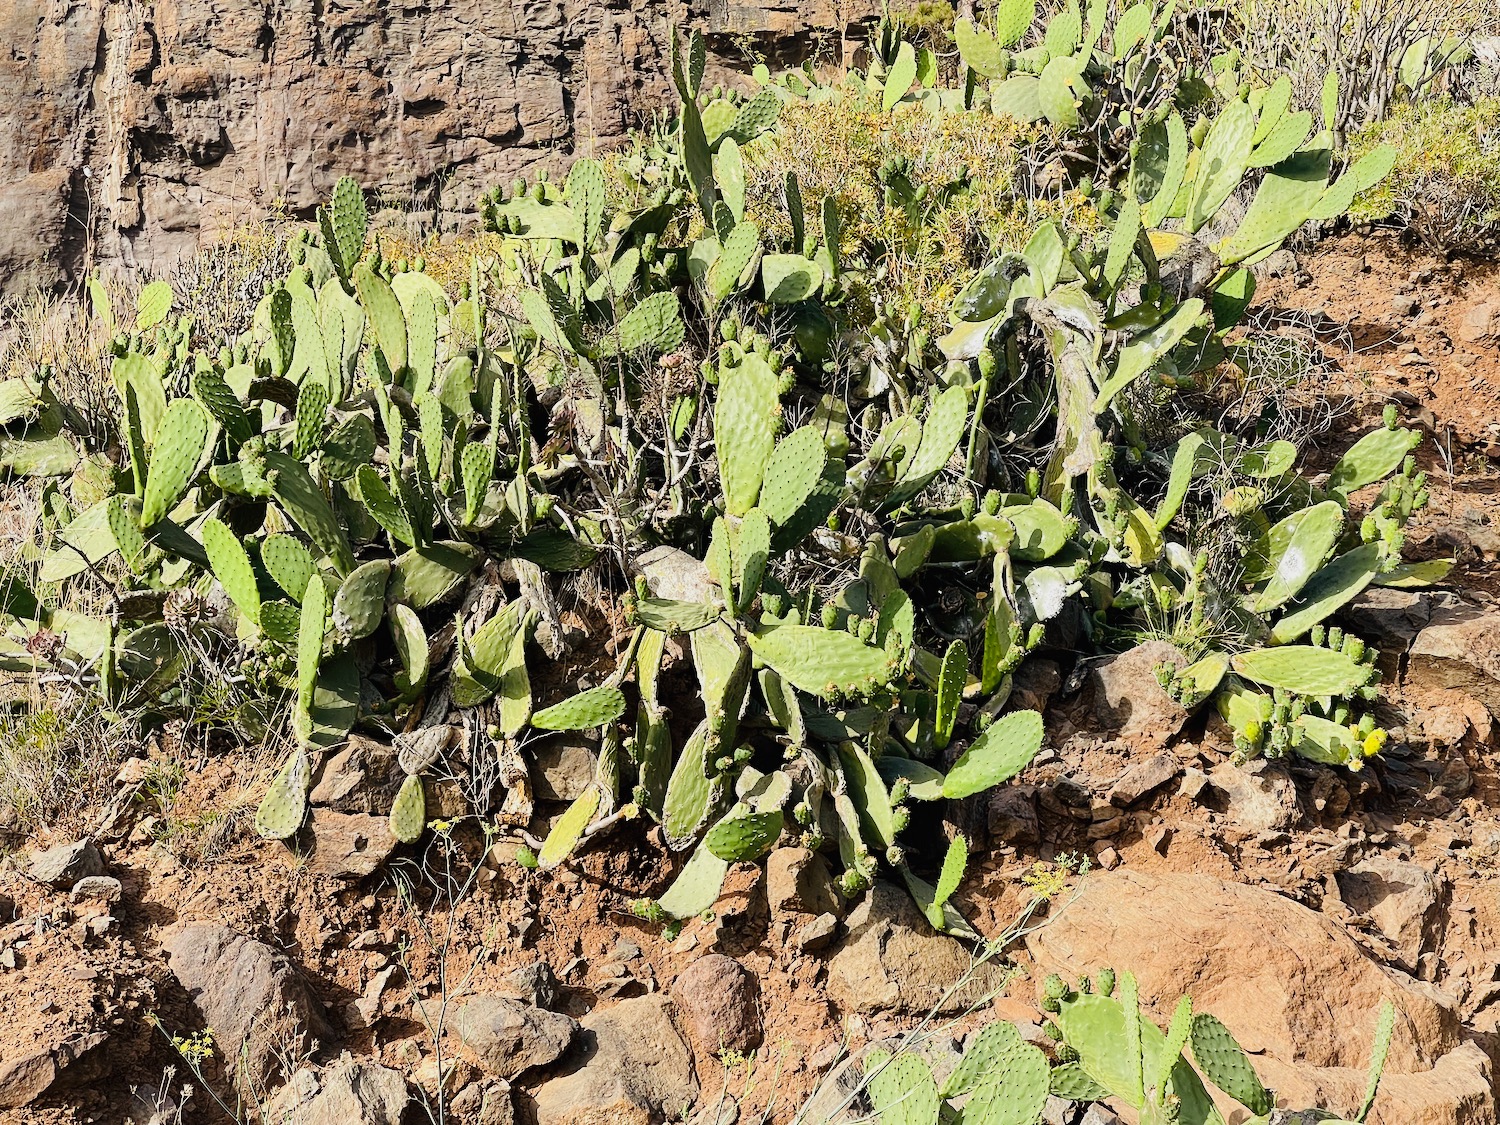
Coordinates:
x,y
231,566
673,617
479,672
1303,669
409,811
584,711
284,806
739,838
745,419
1294,550
569,829
689,791
902,1090
1004,749
697,885
359,605
1332,588
425,576
1373,457
1223,1063
1013,1092
382,505
181,441
951,681
823,662
288,563
302,500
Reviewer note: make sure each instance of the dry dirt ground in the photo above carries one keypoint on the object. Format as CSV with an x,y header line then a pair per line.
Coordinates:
x,y
1398,326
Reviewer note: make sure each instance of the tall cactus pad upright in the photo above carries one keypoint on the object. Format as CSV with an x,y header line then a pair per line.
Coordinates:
x,y
181,441
745,420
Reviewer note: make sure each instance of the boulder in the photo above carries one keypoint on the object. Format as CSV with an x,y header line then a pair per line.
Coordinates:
x,y
1292,985
1389,618
507,1037
348,845
44,1061
63,865
1458,651
635,1069
1128,699
252,996
349,1092
893,960
1012,815
487,1103
721,1000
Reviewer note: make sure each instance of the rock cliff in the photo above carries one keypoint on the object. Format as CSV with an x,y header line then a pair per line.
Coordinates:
x,y
133,129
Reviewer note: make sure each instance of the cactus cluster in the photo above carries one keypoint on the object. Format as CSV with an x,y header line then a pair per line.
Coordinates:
x,y
362,503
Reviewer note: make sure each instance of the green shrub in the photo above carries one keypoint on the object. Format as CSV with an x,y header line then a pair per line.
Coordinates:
x,y
1446,183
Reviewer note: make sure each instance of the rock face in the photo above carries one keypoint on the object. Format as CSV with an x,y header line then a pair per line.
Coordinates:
x,y
172,120
1293,987
1128,699
636,1070
250,995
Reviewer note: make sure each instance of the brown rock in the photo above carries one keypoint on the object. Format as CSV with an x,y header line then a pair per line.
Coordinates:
x,y
252,996
1012,815
893,960
506,1037
720,999
636,1070
1129,701
363,777
798,882
1459,650
1260,796
63,865
1403,900
349,845
1142,778
349,1092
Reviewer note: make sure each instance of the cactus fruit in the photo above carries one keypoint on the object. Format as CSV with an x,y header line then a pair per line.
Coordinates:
x,y
823,662
569,828
736,839
284,806
409,811
1001,752
1303,669
587,709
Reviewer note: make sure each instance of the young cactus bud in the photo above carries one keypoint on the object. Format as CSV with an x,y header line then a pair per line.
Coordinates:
x,y
830,616
1106,982
900,791
1052,1031
895,856
1066,1054
900,820
967,507
1390,416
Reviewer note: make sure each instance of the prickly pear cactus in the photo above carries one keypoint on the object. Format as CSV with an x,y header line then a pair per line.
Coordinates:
x,y
587,709
284,806
1002,751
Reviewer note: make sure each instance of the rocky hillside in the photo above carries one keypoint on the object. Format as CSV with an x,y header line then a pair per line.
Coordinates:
x,y
149,126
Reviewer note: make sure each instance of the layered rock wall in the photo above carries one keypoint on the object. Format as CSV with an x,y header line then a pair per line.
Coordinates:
x,y
132,130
